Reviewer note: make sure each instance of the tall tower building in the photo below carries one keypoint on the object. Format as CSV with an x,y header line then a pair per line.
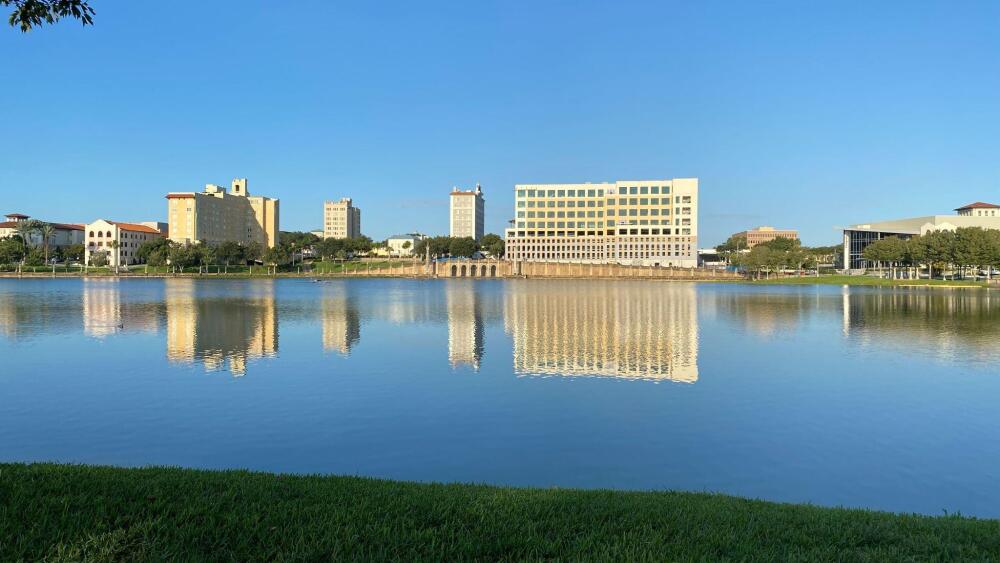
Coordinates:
x,y
468,213
341,219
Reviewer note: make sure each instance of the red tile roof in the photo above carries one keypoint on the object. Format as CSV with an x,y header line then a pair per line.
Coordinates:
x,y
978,205
181,196
63,226
16,216
135,228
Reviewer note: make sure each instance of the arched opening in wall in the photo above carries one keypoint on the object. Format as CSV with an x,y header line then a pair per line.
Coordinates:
x,y
454,270
472,270
463,270
493,271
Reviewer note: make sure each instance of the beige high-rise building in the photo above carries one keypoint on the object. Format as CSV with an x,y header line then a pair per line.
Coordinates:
x,y
634,222
341,219
215,216
468,208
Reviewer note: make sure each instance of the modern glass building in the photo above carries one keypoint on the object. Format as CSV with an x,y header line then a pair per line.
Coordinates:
x,y
858,237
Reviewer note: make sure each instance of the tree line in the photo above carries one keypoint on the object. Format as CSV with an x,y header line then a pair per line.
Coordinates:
x,y
958,252
460,247
775,256
291,246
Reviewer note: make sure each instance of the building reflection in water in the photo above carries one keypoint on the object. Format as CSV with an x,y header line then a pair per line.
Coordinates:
x,y
106,313
614,329
28,315
340,318
769,312
466,334
947,324
220,330
101,307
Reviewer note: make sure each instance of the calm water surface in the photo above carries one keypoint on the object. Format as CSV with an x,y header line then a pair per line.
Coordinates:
x,y
862,397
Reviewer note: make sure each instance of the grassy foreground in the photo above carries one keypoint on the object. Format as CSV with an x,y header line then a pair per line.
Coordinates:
x,y
865,280
82,513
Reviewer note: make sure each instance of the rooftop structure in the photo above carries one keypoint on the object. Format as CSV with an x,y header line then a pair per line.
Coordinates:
x,y
979,209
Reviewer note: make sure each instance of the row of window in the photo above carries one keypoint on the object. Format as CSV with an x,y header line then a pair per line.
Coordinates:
x,y
563,253
622,201
591,192
599,224
631,231
654,212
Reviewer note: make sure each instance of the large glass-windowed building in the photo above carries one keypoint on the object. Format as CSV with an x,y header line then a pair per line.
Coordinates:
x,y
858,237
640,222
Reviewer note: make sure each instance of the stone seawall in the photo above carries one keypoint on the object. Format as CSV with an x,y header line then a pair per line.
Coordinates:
x,y
477,269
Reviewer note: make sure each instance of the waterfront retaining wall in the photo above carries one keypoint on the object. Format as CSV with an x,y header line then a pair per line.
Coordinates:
x,y
505,269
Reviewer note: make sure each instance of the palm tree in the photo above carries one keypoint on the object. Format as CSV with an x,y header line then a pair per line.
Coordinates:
x,y
116,256
25,230
48,231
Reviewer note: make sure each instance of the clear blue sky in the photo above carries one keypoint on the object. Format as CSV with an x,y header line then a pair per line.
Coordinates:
x,y
793,114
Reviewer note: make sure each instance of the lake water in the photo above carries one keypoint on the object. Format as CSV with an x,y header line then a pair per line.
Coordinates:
x,y
860,397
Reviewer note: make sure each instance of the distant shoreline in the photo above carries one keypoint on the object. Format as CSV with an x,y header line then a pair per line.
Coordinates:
x,y
324,277
853,281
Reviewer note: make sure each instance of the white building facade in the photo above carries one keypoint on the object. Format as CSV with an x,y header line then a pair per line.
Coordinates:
x,y
119,242
633,222
402,245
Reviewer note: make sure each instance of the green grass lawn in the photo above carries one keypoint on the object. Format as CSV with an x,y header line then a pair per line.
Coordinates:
x,y
80,513
863,280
